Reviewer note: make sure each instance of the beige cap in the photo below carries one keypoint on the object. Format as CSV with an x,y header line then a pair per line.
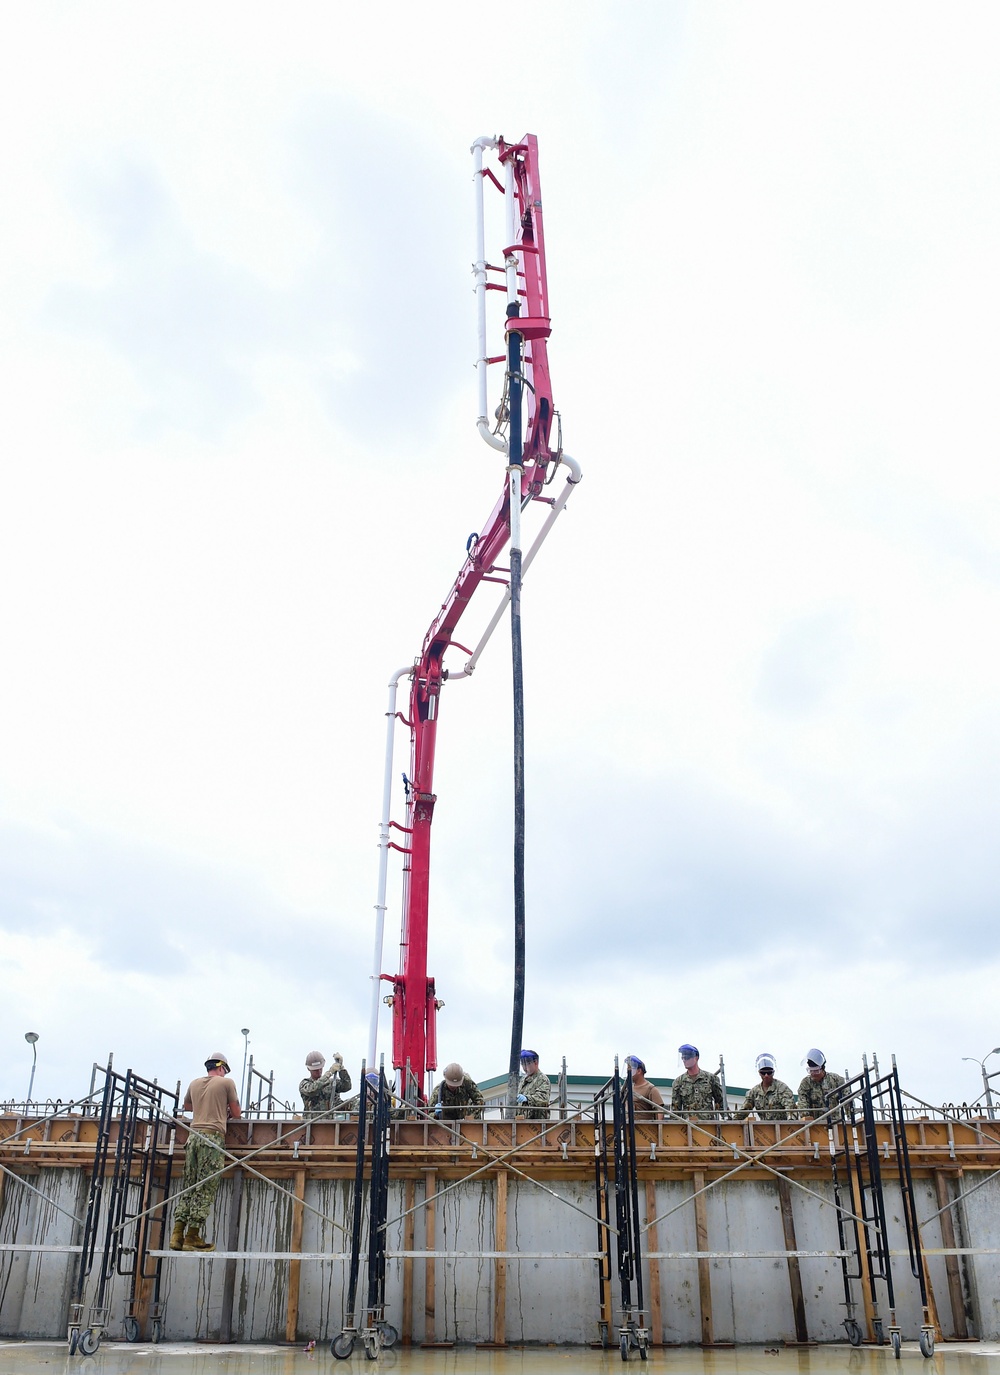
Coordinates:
x,y
453,1075
218,1055
315,1057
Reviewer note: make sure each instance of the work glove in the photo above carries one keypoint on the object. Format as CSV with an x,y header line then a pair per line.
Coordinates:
x,y
437,1109
337,1060
522,1098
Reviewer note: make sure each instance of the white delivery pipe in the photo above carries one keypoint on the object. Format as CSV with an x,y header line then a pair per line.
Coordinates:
x,y
574,477
510,261
515,472
383,861
479,271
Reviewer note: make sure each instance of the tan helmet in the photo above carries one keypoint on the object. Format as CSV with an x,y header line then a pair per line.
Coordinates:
x,y
217,1058
314,1058
454,1075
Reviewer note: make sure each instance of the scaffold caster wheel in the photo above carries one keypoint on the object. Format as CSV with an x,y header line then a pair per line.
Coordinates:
x,y
643,1351
131,1326
89,1342
897,1344
389,1334
623,1346
927,1343
879,1333
342,1346
157,1330
74,1340
853,1332
605,1341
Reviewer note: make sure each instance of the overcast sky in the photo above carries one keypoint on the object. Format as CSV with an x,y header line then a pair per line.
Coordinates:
x,y
240,466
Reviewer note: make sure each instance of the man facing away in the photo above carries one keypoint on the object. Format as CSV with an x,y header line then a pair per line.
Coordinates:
x,y
320,1093
533,1089
771,1099
819,1088
457,1095
211,1100
696,1093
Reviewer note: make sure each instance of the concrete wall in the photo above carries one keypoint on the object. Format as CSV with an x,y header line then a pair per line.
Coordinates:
x,y
547,1300
35,1286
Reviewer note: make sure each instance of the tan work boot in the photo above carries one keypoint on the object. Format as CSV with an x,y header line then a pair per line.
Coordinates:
x,y
177,1237
194,1241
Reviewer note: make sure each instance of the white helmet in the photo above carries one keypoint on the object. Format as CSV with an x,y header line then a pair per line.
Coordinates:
x,y
765,1061
815,1059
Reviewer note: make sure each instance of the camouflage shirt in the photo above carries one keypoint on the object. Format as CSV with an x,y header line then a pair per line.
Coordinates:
x,y
537,1089
465,1101
700,1096
815,1098
322,1094
771,1103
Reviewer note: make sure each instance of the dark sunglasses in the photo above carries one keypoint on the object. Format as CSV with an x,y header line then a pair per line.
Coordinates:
x,y
767,1071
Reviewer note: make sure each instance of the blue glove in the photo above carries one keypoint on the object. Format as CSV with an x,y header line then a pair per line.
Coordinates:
x,y
522,1098
437,1109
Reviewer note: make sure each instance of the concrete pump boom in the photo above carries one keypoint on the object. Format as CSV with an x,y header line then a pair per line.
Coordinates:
x,y
531,467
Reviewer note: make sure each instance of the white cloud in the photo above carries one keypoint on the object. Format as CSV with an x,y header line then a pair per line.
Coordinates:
x,y
239,471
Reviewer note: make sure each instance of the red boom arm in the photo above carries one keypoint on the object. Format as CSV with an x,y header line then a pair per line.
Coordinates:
x,y
414,1005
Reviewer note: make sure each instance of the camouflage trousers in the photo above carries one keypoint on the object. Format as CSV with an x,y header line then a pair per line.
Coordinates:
x,y
201,1159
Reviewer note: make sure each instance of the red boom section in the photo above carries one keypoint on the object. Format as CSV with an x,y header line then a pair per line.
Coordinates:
x,y
414,1007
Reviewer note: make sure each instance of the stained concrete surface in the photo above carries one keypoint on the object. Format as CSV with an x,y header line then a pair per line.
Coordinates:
x,y
50,1358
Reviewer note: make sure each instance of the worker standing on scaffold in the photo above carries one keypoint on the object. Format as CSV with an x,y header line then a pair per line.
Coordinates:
x,y
533,1090
647,1100
817,1090
771,1099
212,1101
320,1092
696,1093
456,1096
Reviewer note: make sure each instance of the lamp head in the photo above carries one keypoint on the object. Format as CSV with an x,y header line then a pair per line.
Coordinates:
x,y
31,1037
244,1031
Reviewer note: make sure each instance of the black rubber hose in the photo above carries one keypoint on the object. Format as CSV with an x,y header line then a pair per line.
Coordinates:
x,y
515,457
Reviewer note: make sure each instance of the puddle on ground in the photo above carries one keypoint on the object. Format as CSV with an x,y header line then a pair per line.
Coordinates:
x,y
116,1358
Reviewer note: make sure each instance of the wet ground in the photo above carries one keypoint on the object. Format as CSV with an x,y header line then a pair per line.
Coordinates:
x,y
51,1358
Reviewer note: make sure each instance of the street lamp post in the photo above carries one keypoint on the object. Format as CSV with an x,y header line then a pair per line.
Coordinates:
x,y
245,1033
986,1078
32,1039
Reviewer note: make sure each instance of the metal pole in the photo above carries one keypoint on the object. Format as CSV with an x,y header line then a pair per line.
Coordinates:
x,y
383,861
245,1033
32,1039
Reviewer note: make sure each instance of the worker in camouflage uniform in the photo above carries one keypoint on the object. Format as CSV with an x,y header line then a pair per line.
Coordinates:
x,y
320,1093
818,1090
696,1093
771,1100
211,1100
533,1088
456,1096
